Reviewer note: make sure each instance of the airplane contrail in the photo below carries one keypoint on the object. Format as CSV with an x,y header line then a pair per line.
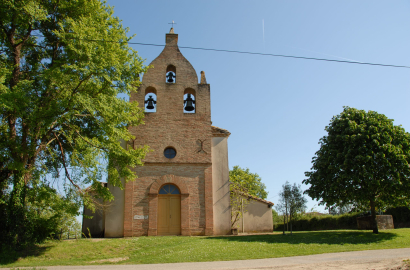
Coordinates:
x,y
263,33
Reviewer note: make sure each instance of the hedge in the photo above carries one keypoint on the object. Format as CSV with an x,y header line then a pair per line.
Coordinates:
x,y
322,222
401,216
401,219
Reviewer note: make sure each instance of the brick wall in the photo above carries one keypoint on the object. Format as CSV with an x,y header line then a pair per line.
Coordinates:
x,y
190,134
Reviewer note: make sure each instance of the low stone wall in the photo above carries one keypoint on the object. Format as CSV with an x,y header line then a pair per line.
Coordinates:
x,y
384,222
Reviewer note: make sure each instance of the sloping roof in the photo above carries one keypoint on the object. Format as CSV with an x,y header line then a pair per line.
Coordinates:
x,y
219,132
254,197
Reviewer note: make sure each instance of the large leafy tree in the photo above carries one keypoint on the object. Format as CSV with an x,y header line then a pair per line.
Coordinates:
x,y
62,66
363,159
245,181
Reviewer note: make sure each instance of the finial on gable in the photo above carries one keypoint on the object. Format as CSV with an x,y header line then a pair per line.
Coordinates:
x,y
203,79
171,31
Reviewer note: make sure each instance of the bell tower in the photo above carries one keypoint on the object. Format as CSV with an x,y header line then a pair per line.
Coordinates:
x,y
179,134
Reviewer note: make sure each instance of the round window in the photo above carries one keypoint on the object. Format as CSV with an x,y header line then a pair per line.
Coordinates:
x,y
170,152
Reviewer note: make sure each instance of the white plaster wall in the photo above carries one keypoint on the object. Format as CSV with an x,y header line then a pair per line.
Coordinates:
x,y
95,225
257,217
220,186
114,211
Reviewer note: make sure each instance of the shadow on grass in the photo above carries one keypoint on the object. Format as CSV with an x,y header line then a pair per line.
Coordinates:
x,y
9,255
329,238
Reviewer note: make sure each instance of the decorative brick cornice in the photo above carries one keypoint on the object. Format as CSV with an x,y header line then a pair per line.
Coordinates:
x,y
220,132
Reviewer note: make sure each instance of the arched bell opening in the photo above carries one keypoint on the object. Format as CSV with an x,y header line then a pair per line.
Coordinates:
x,y
150,101
171,74
169,210
189,101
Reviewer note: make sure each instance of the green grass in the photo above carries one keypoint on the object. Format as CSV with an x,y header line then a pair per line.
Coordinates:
x,y
171,249
34,268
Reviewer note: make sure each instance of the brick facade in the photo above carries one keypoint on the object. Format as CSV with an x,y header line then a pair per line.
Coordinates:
x,y
190,134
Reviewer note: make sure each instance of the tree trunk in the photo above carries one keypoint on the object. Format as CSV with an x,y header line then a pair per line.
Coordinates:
x,y
290,223
4,220
17,213
284,219
374,221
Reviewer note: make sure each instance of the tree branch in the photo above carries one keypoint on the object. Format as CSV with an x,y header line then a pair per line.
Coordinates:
x,y
78,133
65,167
24,38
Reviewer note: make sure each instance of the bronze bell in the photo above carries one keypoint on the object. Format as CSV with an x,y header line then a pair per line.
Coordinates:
x,y
170,77
150,102
189,103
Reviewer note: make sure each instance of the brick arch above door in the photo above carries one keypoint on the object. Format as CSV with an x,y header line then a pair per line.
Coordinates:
x,y
168,179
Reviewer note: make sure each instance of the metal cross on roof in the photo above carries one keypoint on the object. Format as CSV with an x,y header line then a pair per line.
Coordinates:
x,y
172,23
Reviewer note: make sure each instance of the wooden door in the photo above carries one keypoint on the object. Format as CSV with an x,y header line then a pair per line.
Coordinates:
x,y
169,215
174,214
163,215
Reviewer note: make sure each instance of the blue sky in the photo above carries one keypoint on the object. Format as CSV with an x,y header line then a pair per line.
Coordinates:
x,y
277,108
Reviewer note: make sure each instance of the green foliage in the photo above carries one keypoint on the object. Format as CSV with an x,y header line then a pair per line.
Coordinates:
x,y
291,201
47,215
238,202
243,183
276,218
63,65
340,209
250,183
316,221
323,222
401,216
364,159
238,205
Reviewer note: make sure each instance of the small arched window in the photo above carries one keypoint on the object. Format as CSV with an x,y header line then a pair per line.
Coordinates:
x,y
169,189
171,74
150,101
189,101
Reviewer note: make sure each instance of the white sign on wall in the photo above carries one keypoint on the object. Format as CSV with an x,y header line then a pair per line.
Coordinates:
x,y
140,217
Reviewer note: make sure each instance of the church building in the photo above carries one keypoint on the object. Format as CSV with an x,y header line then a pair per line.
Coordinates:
x,y
183,187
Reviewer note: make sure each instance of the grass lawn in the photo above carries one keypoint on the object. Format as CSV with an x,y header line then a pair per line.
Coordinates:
x,y
171,249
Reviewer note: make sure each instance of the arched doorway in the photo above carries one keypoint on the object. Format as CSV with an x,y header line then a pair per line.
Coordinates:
x,y
169,210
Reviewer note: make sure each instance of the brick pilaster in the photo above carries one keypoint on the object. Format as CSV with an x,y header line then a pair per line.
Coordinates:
x,y
185,217
209,214
128,209
153,214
